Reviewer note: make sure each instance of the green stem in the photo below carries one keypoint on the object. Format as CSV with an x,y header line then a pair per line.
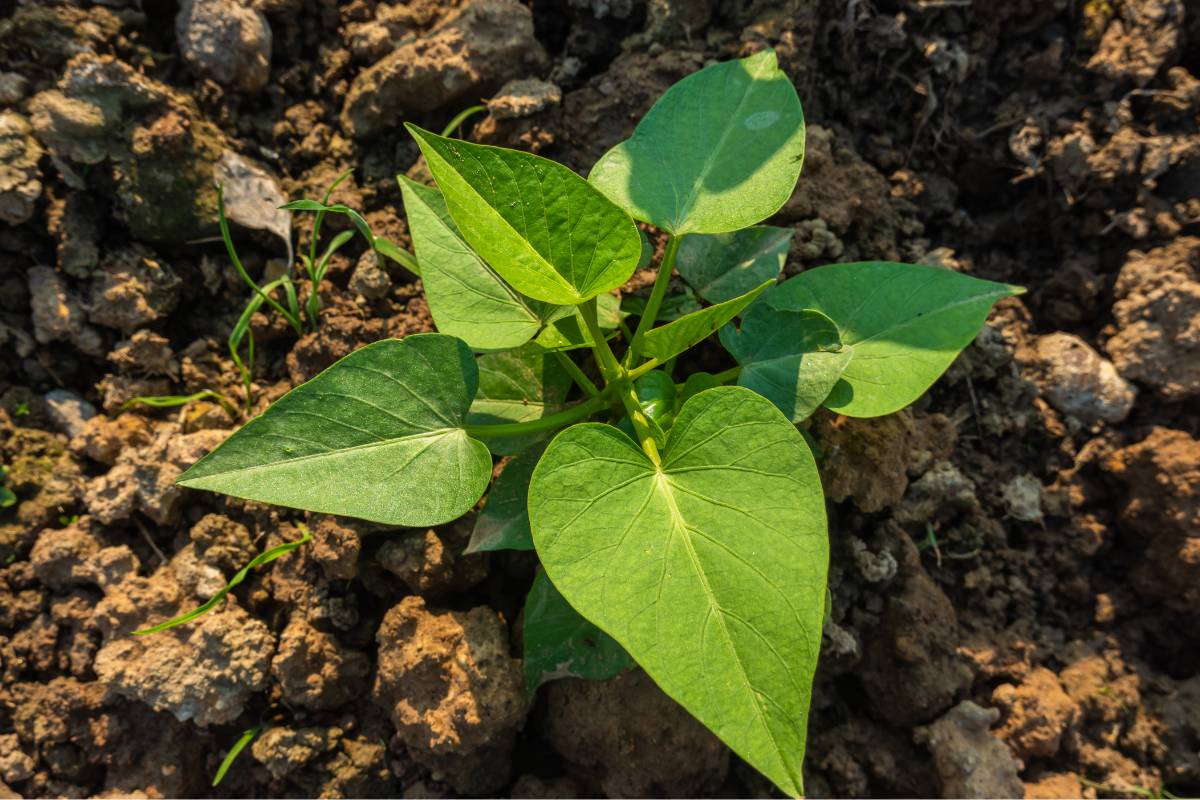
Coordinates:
x,y
728,375
227,237
617,379
639,371
460,118
583,381
547,423
665,268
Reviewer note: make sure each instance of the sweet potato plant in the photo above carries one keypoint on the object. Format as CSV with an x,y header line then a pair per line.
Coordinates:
x,y
679,519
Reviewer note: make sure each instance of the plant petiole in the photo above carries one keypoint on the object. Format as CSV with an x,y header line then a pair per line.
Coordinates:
x,y
654,303
548,423
577,375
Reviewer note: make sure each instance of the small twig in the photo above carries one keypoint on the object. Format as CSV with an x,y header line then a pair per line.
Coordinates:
x,y
149,540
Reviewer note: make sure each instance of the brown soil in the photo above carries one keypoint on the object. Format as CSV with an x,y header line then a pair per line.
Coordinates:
x,y
1016,558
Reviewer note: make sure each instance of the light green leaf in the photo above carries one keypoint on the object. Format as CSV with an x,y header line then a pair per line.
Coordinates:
x,y
561,644
720,151
466,297
518,386
675,337
378,435
7,498
792,358
724,265
547,231
710,571
904,323
503,524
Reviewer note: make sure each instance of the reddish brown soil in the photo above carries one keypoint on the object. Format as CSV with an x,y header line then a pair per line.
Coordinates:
x,y
1016,558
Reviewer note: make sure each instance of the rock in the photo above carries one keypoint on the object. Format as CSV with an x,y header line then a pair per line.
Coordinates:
x,y
483,45
70,557
13,86
144,478
149,146
1161,506
1141,38
46,478
943,489
283,750
910,668
68,411
1022,498
76,223
370,279
205,671
452,690
222,542
523,97
326,762
430,565
20,177
58,314
1037,713
631,740
1158,309
132,289
969,760
145,353
336,546
1079,382
103,439
227,41
15,764
315,670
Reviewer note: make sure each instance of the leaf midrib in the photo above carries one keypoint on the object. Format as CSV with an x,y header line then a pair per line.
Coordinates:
x,y
432,434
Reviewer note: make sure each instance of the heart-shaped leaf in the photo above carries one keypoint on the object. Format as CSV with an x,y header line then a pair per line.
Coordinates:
x,y
379,435
792,358
548,232
673,338
719,151
503,524
903,323
709,570
559,643
724,265
466,297
518,386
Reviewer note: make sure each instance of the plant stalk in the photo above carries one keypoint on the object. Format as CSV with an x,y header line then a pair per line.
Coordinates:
x,y
548,423
657,293
577,375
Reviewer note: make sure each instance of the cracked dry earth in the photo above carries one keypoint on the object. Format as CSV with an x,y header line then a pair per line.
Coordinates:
x,y
1016,559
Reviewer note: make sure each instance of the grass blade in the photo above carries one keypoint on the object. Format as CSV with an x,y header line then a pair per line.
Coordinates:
x,y
262,558
238,746
175,400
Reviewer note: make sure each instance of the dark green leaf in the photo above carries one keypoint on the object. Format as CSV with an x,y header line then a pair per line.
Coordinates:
x,y
722,266
518,386
504,522
561,644
903,323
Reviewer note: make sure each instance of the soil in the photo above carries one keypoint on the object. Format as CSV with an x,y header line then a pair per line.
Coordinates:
x,y
1015,559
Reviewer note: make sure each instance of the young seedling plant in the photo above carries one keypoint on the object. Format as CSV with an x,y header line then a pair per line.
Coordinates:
x,y
679,520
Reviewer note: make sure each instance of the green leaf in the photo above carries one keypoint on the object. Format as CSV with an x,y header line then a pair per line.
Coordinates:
x,y
675,337
7,498
265,557
720,151
518,386
724,265
696,383
656,395
378,435
904,323
503,524
547,231
561,644
710,571
792,358
466,297
235,751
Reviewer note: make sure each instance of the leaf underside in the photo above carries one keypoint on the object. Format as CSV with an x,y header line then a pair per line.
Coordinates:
x,y
709,571
549,233
719,151
378,436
